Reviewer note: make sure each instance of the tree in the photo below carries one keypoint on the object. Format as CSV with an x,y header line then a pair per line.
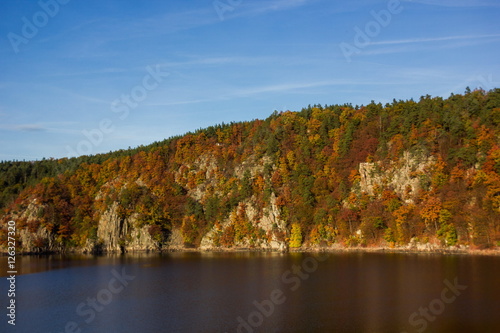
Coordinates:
x,y
430,211
296,236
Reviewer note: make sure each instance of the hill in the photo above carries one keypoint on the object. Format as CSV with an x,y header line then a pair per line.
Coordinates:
x,y
421,172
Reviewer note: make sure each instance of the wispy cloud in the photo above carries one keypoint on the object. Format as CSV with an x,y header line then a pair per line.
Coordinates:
x,y
246,92
81,97
458,3
54,127
433,39
104,31
30,128
418,44
244,60
424,73
70,30
280,88
283,88
223,61
263,7
293,87
99,34
172,22
110,70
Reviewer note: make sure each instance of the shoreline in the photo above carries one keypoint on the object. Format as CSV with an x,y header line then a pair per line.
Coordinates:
x,y
333,249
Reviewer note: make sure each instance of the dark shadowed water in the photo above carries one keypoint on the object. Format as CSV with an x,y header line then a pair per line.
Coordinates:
x,y
256,292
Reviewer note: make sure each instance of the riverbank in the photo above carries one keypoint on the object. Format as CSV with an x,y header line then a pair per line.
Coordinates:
x,y
441,250
431,249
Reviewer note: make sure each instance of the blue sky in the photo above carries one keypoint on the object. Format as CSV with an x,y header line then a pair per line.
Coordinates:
x,y
85,77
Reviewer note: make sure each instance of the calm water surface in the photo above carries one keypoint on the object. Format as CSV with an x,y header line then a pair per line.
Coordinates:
x,y
256,292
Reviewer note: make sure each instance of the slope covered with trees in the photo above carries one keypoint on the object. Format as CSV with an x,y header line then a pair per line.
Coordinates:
x,y
426,171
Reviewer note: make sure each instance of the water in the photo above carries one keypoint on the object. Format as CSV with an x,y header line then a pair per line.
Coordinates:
x,y
256,292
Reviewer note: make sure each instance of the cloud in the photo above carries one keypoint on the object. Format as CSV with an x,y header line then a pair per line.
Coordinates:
x,y
227,60
253,8
280,88
98,34
110,70
457,3
433,39
69,30
53,127
415,44
244,92
277,5
284,88
85,98
30,128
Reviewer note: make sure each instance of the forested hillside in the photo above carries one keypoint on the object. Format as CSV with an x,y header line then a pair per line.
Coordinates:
x,y
424,171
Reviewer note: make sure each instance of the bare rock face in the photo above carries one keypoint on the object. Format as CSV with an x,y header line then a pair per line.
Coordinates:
x,y
114,234
269,222
271,219
208,242
175,241
110,229
38,240
403,175
117,234
141,240
267,219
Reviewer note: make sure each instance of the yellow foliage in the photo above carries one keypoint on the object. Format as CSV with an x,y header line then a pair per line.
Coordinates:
x,y
314,139
401,216
315,236
296,236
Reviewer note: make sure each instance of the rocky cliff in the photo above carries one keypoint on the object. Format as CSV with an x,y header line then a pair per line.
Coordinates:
x,y
407,175
116,232
398,175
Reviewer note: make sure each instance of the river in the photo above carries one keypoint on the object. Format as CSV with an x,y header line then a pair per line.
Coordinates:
x,y
255,292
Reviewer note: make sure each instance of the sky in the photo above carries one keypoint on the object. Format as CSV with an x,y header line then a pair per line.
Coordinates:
x,y
87,77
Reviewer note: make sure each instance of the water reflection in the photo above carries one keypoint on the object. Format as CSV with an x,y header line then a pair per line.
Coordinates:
x,y
224,292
